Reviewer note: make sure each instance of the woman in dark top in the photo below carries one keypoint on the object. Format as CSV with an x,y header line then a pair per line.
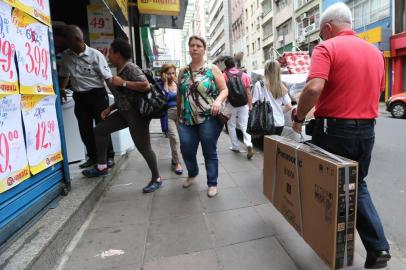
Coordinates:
x,y
169,86
129,81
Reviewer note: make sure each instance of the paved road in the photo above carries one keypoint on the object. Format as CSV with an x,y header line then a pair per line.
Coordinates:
x,y
387,179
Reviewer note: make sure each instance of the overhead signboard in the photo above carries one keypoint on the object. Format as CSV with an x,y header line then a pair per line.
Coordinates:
x,y
119,9
168,21
160,63
159,7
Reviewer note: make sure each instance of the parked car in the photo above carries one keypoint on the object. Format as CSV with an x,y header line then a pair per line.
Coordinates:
x,y
396,105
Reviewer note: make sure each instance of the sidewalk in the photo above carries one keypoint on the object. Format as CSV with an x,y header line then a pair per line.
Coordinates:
x,y
176,228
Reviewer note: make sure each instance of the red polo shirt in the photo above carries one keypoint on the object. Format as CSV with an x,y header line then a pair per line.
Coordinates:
x,y
355,76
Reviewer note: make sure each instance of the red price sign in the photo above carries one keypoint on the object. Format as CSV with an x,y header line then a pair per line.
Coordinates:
x,y
98,23
6,56
38,60
44,128
5,141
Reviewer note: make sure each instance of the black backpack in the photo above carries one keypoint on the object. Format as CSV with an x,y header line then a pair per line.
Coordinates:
x,y
152,104
237,95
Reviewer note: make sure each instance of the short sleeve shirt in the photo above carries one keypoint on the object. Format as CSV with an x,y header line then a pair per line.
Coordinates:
x,y
123,96
355,76
87,70
244,77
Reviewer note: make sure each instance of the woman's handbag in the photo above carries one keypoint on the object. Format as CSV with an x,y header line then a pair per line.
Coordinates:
x,y
261,121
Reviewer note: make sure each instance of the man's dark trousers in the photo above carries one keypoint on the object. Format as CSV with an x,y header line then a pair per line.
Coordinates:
x,y
355,141
88,108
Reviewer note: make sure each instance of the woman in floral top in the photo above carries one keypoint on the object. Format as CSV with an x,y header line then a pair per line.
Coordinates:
x,y
202,91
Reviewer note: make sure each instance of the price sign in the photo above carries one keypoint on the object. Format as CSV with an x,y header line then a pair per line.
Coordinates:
x,y
34,62
42,131
13,156
8,71
101,29
38,9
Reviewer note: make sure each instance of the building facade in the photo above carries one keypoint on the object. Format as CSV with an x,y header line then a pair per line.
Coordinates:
x,y
284,26
267,17
187,31
306,23
238,31
253,37
372,20
398,47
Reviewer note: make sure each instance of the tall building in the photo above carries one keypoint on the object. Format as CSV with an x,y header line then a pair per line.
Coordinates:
x,y
283,21
306,23
398,48
219,29
253,30
200,18
267,29
238,31
187,31
372,20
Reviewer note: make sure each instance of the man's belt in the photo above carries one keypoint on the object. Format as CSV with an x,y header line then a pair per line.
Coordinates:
x,y
352,122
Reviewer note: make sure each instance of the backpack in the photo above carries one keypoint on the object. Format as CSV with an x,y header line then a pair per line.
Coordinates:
x,y
237,95
152,104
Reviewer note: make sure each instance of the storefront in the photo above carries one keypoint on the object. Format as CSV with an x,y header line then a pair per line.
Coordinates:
x,y
398,51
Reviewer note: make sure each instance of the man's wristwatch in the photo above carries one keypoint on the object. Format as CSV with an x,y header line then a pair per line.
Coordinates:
x,y
125,84
297,120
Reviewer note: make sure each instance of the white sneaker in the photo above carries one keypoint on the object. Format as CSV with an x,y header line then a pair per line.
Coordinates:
x,y
212,191
188,182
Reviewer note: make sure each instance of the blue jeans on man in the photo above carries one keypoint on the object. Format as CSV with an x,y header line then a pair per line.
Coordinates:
x,y
207,134
356,141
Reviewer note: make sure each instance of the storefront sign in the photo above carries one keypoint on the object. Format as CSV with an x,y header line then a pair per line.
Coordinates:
x,y
101,29
38,9
8,71
13,156
34,62
42,132
159,7
160,63
372,36
119,8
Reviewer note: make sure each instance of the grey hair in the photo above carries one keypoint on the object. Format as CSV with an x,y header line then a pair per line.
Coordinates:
x,y
339,13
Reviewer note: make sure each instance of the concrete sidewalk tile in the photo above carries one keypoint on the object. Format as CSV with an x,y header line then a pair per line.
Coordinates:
x,y
174,205
254,194
235,226
205,260
247,178
262,254
117,213
226,199
89,252
138,178
273,219
124,192
176,236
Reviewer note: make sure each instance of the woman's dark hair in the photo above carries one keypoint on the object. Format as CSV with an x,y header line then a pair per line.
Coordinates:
x,y
199,39
121,46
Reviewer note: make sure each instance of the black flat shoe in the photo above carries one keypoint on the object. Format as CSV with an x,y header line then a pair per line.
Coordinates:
x,y
377,259
88,163
152,186
94,172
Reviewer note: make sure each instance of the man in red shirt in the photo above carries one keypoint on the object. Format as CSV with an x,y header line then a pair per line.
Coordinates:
x,y
345,81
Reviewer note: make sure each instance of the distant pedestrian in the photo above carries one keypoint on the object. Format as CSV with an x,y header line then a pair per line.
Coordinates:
x,y
272,90
169,86
239,97
199,101
345,81
130,81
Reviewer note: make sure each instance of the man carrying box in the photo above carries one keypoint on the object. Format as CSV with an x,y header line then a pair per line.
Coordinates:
x,y
345,81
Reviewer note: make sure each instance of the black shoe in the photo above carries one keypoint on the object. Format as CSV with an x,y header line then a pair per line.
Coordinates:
x,y
377,259
152,186
88,163
110,162
94,172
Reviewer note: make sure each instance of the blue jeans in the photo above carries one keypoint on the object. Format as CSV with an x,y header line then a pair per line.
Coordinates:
x,y
356,142
207,134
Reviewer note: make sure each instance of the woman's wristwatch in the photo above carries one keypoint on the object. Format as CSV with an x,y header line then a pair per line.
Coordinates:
x,y
125,84
297,120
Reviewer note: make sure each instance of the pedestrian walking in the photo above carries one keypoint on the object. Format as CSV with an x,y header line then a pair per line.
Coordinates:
x,y
169,86
272,90
199,101
87,70
130,81
345,82
239,98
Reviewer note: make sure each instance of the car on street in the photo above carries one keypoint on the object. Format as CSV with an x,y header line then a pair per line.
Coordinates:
x,y
396,105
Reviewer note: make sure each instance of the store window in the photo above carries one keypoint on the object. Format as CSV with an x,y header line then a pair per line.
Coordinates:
x,y
368,11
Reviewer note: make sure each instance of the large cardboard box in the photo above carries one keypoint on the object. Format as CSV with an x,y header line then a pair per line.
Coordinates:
x,y
316,192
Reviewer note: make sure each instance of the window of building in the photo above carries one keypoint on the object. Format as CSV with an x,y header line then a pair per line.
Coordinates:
x,y
300,3
253,47
246,14
365,12
267,29
258,44
252,9
266,6
307,23
267,52
282,4
248,50
284,29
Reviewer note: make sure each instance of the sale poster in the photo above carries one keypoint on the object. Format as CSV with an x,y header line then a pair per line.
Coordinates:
x,y
42,136
8,71
38,9
13,156
101,30
33,58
